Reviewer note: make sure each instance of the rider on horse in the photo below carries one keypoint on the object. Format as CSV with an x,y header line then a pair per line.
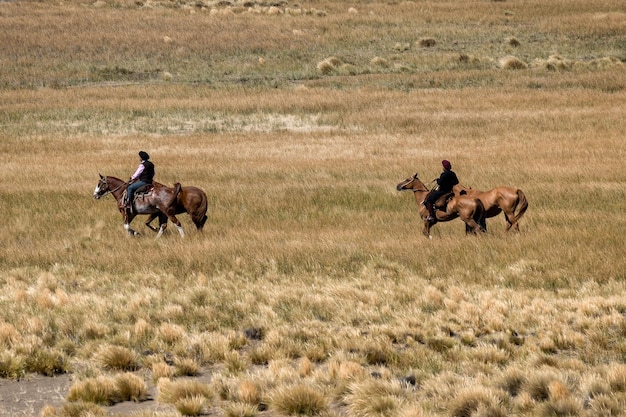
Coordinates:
x,y
142,176
445,182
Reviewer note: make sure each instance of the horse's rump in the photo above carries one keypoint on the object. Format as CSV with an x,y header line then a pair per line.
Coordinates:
x,y
193,201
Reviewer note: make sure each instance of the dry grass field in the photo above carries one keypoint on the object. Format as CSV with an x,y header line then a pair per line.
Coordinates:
x,y
311,290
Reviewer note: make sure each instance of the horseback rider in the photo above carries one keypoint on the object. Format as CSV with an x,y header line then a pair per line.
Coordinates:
x,y
445,182
142,176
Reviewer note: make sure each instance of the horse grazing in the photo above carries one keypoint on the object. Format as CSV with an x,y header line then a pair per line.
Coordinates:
x,y
499,199
191,200
470,210
159,200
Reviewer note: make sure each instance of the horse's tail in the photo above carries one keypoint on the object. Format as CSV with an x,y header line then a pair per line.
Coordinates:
x,y
480,215
200,217
177,189
522,205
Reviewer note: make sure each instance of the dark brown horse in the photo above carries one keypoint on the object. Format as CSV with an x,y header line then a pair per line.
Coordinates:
x,y
497,200
191,200
160,200
469,209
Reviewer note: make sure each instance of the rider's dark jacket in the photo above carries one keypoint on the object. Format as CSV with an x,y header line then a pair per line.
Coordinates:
x,y
447,180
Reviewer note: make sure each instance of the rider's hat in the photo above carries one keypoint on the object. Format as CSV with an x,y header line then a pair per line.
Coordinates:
x,y
446,164
144,155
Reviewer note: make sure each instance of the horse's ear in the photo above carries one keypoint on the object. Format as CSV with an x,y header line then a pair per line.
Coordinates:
x,y
100,176
415,176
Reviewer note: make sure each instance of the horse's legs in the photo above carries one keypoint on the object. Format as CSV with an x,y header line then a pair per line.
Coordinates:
x,y
150,219
471,226
426,230
510,222
161,230
178,225
127,219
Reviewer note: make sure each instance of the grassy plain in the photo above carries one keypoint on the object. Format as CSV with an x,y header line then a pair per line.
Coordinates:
x,y
311,290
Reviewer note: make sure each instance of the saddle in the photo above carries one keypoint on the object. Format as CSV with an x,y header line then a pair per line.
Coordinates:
x,y
141,192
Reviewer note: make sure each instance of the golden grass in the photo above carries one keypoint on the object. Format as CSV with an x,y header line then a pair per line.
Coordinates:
x,y
311,289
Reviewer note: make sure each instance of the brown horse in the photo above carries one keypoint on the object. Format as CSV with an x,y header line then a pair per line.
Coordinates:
x,y
500,199
160,200
191,200
469,209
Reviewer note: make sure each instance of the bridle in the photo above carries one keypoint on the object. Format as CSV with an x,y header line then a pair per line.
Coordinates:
x,y
425,190
104,183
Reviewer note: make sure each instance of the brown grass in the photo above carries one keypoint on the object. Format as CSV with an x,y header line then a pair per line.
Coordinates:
x,y
311,289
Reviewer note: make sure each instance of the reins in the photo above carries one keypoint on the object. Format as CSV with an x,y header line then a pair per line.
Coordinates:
x,y
113,190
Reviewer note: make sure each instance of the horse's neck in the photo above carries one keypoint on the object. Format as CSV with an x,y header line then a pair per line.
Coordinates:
x,y
118,186
420,196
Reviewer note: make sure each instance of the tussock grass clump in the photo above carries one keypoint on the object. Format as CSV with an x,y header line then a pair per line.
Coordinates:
x,y
47,362
78,409
541,384
512,41
512,381
8,335
11,365
173,391
379,62
192,406
477,401
241,410
162,370
131,387
99,390
426,42
401,46
299,399
117,358
328,65
375,397
512,63
186,367
616,377
249,392
345,369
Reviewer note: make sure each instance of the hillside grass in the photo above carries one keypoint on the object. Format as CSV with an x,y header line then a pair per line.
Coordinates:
x,y
311,290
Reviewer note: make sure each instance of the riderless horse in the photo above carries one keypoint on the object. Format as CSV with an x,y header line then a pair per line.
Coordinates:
x,y
156,199
191,200
499,199
447,208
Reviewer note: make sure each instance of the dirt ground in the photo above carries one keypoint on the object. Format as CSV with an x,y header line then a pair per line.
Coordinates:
x,y
28,396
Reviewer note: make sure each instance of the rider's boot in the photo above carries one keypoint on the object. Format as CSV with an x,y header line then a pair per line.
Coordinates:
x,y
431,213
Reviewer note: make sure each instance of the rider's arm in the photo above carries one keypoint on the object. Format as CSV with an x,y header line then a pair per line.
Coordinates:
x,y
137,173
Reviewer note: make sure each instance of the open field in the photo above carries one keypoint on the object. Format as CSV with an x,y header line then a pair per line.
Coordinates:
x,y
311,290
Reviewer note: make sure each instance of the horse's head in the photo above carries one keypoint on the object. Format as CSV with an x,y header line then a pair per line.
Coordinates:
x,y
412,183
102,188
